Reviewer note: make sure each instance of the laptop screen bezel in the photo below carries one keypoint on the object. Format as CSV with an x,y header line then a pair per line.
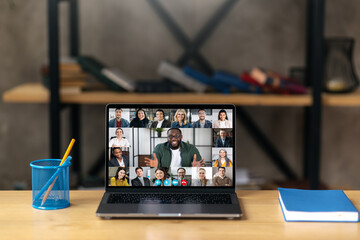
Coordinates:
x,y
170,106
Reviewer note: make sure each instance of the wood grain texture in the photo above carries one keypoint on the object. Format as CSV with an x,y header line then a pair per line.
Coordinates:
x,y
262,220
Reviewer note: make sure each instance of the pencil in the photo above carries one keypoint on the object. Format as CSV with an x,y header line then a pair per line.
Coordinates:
x,y
68,150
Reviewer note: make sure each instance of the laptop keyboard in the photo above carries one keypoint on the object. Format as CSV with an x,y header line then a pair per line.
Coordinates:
x,y
164,198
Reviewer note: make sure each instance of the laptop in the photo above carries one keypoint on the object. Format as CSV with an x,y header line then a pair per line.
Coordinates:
x,y
170,161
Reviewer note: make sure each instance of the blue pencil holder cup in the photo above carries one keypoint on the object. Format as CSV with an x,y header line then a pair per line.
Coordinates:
x,y
44,173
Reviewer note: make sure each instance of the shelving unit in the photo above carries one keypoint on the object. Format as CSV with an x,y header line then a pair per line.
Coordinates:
x,y
36,93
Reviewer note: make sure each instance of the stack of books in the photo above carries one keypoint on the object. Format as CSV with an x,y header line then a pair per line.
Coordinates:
x,y
72,78
257,81
270,81
116,80
74,75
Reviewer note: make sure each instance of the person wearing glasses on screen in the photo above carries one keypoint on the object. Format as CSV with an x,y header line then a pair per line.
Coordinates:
x,y
140,120
202,122
223,121
119,141
160,122
120,179
223,160
181,177
180,120
175,153
118,121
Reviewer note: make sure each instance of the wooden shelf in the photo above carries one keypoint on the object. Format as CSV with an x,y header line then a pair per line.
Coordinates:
x,y
27,93
342,100
37,93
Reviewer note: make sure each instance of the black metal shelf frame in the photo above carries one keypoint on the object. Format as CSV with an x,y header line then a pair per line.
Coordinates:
x,y
314,74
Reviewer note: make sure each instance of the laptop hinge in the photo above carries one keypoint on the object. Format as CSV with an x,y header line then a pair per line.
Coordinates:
x,y
171,190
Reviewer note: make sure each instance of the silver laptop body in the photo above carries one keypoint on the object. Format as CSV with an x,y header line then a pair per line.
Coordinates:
x,y
170,161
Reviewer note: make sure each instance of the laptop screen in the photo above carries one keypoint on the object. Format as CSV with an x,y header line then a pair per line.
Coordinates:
x,y
170,145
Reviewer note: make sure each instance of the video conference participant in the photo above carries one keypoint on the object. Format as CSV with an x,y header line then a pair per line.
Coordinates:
x,y
119,141
175,152
181,176
118,160
223,160
160,122
120,179
221,179
140,119
223,121
202,122
202,181
180,120
161,178
223,140
140,181
118,121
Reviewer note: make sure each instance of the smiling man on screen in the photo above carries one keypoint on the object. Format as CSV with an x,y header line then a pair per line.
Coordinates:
x,y
175,152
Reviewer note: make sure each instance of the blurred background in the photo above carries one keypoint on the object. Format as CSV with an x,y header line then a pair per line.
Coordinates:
x,y
130,36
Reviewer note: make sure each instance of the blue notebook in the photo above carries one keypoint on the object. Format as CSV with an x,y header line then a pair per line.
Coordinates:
x,y
316,205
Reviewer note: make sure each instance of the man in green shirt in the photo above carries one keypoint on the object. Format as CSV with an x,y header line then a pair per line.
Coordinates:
x,y
175,153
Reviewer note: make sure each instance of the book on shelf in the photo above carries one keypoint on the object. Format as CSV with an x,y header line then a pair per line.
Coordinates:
x,y
75,80
119,78
277,81
234,81
245,76
67,64
316,205
67,71
201,77
176,74
73,67
71,77
62,83
114,78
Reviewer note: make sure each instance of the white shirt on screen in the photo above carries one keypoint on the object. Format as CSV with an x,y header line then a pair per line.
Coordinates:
x,y
175,158
159,124
116,143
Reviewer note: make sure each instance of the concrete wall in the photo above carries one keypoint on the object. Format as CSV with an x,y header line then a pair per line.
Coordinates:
x,y
130,36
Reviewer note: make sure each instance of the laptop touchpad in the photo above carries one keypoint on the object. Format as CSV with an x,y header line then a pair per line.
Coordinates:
x,y
170,208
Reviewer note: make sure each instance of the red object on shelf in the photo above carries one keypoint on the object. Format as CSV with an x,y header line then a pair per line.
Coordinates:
x,y
247,78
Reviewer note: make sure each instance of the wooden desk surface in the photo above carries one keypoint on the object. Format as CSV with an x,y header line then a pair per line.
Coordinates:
x,y
262,220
